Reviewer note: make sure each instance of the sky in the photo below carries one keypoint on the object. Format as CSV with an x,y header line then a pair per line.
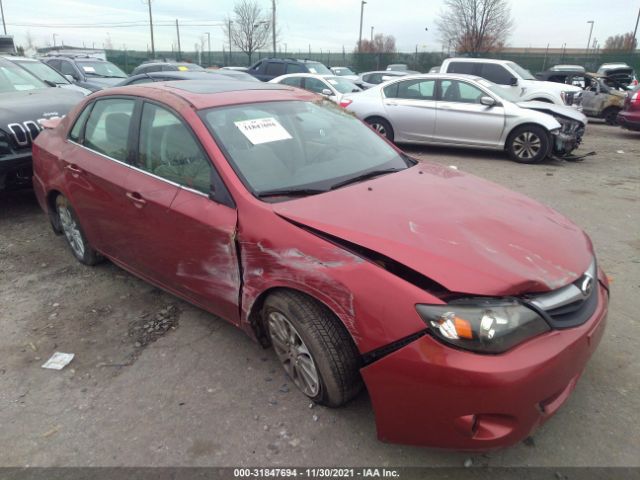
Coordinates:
x,y
322,24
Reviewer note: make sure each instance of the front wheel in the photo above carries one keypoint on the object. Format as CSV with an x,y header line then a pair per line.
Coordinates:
x,y
314,348
610,115
73,233
528,144
381,127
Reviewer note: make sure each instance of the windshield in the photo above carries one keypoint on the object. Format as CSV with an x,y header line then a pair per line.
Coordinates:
x,y
343,85
101,69
318,68
524,73
499,91
43,72
295,145
15,79
343,71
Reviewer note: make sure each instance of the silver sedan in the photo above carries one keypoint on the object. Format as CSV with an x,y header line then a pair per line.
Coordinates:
x,y
467,111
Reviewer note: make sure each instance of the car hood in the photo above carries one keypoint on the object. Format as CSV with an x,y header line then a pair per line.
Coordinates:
x,y
467,234
103,82
553,109
30,106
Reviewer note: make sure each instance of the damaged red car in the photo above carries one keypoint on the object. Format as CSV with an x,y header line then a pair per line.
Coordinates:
x,y
466,310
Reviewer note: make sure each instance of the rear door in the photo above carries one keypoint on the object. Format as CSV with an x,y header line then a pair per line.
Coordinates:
x,y
184,240
410,105
96,170
462,120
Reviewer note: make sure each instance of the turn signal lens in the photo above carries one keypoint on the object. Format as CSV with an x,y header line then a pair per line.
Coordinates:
x,y
345,103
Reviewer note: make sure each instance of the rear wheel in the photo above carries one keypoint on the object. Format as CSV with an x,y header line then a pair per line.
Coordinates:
x,y
528,144
314,348
73,233
610,115
381,127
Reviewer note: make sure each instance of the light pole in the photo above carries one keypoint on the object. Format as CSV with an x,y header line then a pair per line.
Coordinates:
x,y
229,32
362,4
590,32
209,48
273,26
4,25
153,46
635,30
372,34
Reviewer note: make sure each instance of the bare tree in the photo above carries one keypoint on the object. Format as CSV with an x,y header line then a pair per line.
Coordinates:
x,y
475,26
250,29
380,44
108,44
621,43
31,43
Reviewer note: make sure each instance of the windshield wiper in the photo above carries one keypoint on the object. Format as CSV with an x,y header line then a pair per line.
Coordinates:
x,y
289,192
365,176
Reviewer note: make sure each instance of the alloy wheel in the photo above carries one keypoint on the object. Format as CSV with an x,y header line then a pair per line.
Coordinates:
x,y
527,145
71,231
379,128
293,354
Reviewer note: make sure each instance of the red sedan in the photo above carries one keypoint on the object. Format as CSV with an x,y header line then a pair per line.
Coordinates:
x,y
468,311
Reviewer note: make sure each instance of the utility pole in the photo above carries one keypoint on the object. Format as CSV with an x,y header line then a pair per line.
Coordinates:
x,y
54,39
362,4
372,34
635,30
4,25
178,33
153,46
273,26
590,32
209,49
229,31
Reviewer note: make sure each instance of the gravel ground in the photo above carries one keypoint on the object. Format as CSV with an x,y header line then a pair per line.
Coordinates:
x,y
157,382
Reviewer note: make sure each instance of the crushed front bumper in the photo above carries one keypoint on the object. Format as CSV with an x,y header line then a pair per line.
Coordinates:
x,y
433,395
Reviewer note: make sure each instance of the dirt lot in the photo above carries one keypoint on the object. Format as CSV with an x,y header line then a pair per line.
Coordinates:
x,y
158,382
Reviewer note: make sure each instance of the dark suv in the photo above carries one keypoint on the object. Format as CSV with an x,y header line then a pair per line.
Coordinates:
x,y
166,66
270,68
88,72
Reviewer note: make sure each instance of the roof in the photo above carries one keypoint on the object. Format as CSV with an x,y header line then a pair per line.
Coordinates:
x,y
203,94
11,58
476,60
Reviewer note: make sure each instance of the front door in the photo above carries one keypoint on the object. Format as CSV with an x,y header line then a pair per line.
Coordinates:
x,y
462,120
184,240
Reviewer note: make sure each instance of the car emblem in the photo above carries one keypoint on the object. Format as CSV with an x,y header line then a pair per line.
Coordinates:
x,y
586,286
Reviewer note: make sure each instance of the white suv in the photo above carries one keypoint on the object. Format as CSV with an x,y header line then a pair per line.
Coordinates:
x,y
520,81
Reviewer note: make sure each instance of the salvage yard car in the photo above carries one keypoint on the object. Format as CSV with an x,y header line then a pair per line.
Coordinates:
x,y
25,102
468,311
467,111
88,72
329,86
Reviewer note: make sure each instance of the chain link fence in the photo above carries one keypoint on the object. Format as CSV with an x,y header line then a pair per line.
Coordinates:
x,y
362,62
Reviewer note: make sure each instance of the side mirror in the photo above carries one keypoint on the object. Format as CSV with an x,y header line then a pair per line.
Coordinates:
x,y
487,101
70,78
513,81
327,92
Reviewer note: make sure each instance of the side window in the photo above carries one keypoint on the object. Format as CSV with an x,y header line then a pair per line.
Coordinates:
x,y
295,68
107,130
391,91
76,131
169,150
275,68
257,67
54,63
495,73
314,85
67,69
417,89
469,68
455,91
292,82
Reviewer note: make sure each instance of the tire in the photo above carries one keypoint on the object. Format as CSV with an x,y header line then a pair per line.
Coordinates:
x,y
313,347
610,115
528,144
75,237
381,127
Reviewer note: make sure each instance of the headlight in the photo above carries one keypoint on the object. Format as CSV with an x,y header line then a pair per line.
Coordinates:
x,y
483,325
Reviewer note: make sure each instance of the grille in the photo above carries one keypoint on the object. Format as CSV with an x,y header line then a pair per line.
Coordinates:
x,y
571,305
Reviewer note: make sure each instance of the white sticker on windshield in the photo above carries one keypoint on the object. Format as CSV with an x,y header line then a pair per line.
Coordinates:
x,y
312,70
89,69
263,130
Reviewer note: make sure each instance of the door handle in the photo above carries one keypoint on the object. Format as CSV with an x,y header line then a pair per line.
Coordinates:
x,y
73,169
391,104
136,199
